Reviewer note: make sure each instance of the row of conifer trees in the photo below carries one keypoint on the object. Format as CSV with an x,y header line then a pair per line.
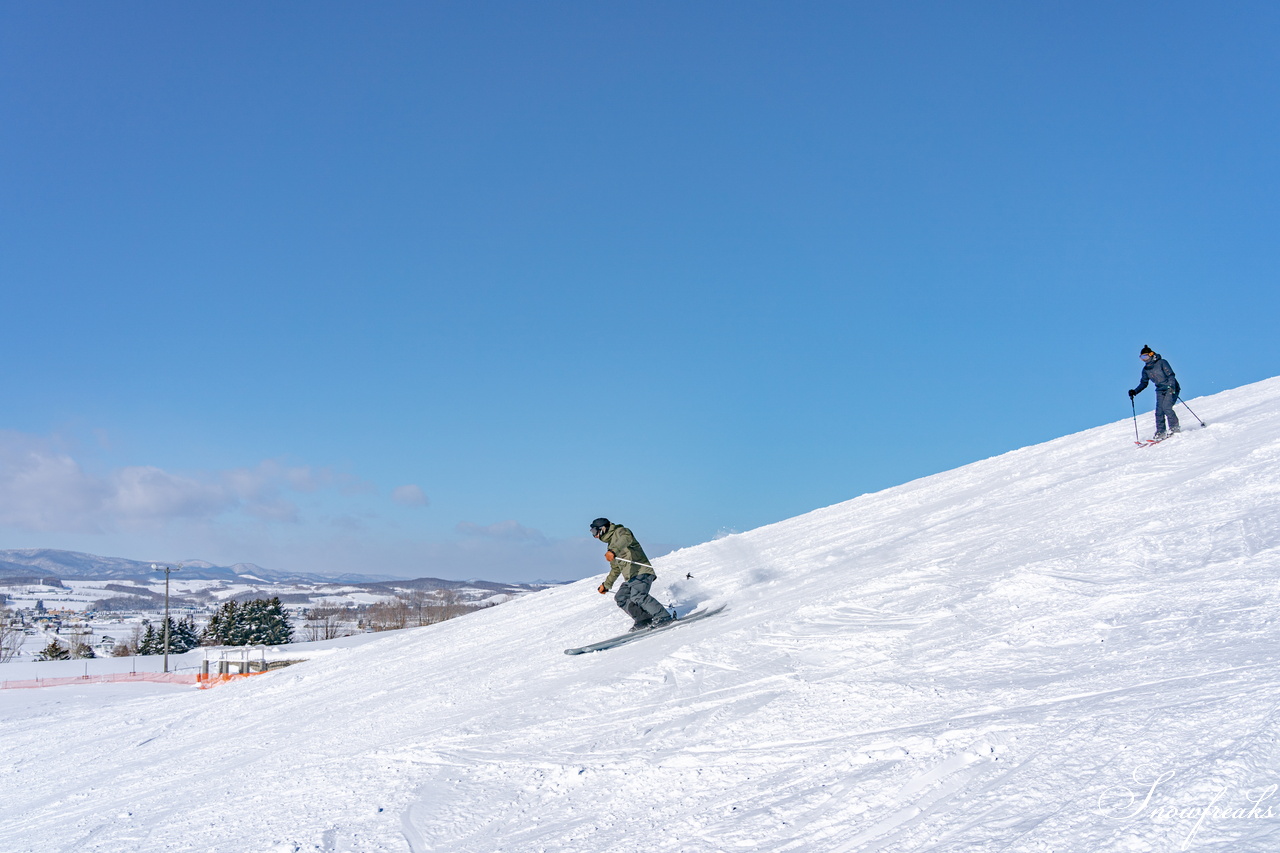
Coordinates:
x,y
250,623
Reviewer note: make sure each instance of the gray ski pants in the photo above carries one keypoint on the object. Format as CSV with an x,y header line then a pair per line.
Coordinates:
x,y
1165,401
633,597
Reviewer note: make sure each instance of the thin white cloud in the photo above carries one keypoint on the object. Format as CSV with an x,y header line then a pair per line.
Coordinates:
x,y
503,530
347,523
246,515
410,495
147,494
45,489
282,511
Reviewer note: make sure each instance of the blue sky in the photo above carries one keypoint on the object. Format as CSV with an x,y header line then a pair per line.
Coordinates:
x,y
420,289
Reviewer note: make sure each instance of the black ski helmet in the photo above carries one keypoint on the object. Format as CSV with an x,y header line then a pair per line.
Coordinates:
x,y
601,524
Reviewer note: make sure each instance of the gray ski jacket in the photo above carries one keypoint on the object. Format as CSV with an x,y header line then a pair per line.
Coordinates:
x,y
629,558
1158,373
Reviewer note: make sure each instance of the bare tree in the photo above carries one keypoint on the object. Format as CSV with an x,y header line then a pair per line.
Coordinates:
x,y
418,603
135,639
449,605
10,636
415,608
389,615
78,642
325,622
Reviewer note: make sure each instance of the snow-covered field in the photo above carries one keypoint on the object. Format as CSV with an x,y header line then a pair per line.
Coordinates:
x,y
1071,647
188,662
71,605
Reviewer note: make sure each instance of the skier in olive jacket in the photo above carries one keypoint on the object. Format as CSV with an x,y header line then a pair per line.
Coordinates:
x,y
1158,372
627,558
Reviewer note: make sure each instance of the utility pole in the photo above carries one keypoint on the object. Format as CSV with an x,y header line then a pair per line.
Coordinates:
x,y
166,570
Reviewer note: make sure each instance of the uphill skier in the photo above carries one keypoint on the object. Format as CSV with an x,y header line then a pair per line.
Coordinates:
x,y
627,558
1158,372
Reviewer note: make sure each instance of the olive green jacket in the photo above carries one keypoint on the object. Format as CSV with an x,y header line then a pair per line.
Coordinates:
x,y
624,547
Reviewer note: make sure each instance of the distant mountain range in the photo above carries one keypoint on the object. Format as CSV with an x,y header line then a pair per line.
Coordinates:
x,y
73,565
113,584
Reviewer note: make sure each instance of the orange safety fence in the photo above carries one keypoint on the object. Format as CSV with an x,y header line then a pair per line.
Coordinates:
x,y
108,678
205,681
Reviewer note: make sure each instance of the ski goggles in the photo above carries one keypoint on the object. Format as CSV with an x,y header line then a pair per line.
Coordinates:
x,y
1146,356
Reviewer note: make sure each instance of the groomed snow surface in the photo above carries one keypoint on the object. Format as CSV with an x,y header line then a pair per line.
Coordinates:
x,y
1070,647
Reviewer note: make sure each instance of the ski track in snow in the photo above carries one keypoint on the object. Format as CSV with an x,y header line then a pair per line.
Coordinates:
x,y
1004,657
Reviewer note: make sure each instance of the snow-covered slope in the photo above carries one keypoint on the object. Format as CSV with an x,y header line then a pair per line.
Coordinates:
x,y
1071,647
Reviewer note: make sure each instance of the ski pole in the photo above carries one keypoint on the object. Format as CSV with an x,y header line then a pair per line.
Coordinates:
x,y
1134,406
635,563
1193,414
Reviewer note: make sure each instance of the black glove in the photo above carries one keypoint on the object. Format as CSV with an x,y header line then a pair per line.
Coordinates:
x,y
1132,393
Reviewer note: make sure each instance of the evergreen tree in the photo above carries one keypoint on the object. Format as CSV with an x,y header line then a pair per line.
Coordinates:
x,y
223,627
251,614
257,622
54,651
281,631
271,625
183,637
150,644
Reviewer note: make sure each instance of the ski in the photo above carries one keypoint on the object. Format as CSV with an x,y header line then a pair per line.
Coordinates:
x,y
1150,441
623,639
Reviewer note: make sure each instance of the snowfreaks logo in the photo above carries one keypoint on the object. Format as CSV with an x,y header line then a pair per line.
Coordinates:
x,y
1149,801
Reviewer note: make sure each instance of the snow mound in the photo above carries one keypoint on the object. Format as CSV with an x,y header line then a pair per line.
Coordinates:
x,y
1070,647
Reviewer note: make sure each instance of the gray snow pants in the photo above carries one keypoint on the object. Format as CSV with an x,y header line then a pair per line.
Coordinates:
x,y
1165,401
633,596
